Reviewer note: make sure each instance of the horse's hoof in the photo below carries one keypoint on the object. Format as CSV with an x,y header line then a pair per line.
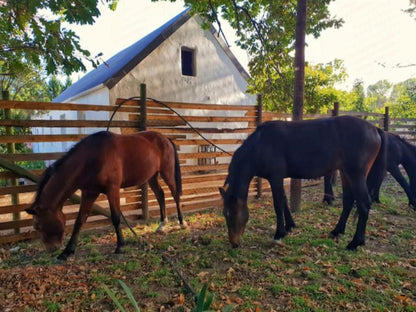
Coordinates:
x,y
118,250
335,233
279,236
278,242
353,245
290,227
61,258
184,225
328,201
160,229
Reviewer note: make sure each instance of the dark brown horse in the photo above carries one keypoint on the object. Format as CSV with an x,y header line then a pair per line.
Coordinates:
x,y
104,162
399,152
304,149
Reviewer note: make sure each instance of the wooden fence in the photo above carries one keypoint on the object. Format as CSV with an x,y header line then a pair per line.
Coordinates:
x,y
204,166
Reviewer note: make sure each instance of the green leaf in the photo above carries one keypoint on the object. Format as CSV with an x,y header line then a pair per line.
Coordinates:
x,y
129,295
114,298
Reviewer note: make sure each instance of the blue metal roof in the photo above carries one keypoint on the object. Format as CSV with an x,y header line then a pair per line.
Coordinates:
x,y
110,72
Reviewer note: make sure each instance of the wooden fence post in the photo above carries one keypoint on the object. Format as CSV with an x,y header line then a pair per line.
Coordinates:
x,y
335,111
144,191
386,119
259,120
143,108
11,149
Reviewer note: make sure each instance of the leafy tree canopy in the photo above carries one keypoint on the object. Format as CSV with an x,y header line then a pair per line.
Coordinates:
x,y
33,33
320,88
412,8
28,86
266,30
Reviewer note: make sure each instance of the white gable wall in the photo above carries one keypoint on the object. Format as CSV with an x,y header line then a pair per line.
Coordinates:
x,y
217,80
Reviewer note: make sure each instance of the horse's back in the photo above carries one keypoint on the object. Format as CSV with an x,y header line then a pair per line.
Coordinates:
x,y
126,159
312,148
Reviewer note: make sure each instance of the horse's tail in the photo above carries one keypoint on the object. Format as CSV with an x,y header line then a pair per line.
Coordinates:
x,y
178,175
378,170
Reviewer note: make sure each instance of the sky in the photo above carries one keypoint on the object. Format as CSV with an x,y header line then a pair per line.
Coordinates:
x,y
376,36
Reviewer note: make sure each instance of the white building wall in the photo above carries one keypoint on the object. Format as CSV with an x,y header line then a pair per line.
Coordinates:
x,y
217,80
99,96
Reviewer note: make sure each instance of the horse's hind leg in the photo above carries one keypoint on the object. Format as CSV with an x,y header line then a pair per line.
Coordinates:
x,y
176,196
347,204
87,200
160,196
362,198
182,222
113,196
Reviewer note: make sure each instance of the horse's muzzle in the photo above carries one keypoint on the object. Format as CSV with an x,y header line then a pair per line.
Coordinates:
x,y
235,245
235,240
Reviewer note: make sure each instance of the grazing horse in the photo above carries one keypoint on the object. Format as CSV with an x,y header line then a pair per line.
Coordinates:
x,y
304,150
399,151
104,162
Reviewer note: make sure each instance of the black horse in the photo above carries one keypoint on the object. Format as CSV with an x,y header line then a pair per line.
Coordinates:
x,y
399,152
304,149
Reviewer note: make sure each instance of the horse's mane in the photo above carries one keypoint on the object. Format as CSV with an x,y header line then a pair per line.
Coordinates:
x,y
52,169
405,142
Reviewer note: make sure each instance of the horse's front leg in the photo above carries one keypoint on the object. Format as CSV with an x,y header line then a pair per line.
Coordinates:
x,y
280,204
87,200
397,175
113,196
328,190
289,222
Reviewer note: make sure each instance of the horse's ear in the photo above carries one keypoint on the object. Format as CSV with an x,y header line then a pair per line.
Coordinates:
x,y
223,189
31,211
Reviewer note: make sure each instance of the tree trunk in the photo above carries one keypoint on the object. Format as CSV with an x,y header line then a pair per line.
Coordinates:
x,y
299,89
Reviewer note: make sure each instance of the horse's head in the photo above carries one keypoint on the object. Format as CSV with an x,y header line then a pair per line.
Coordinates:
x,y
50,223
236,215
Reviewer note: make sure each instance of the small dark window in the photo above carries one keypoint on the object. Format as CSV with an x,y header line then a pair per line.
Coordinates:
x,y
188,62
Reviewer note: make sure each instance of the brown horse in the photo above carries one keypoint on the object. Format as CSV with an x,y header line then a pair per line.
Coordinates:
x,y
104,162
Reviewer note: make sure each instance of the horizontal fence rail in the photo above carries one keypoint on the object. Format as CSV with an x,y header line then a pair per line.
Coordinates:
x,y
55,127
